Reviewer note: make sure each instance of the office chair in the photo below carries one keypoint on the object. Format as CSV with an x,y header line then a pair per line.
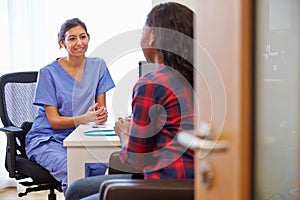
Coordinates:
x,y
17,114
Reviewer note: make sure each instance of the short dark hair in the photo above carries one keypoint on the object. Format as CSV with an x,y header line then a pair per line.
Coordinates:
x,y
67,25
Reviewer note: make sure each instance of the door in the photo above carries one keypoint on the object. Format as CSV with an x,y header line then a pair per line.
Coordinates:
x,y
256,110
277,99
223,90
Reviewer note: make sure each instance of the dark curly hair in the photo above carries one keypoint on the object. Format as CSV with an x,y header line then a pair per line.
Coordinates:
x,y
172,26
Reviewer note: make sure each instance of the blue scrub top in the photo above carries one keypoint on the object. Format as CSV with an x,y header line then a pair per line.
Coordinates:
x,y
56,87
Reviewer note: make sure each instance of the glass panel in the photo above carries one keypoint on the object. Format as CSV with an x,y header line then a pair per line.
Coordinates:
x,y
277,99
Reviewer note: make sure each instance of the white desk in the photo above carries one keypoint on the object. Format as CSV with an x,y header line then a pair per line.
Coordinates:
x,y
83,149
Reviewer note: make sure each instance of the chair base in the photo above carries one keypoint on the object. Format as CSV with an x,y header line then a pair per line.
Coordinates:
x,y
51,195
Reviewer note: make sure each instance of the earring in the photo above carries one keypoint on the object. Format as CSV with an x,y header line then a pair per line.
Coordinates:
x,y
150,43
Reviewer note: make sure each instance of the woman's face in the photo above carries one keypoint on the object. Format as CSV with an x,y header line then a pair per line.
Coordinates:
x,y
76,41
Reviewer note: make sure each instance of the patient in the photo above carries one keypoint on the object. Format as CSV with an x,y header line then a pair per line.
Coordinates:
x,y
162,104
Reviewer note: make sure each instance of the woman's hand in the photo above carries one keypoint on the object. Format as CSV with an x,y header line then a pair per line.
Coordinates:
x,y
96,114
121,128
101,115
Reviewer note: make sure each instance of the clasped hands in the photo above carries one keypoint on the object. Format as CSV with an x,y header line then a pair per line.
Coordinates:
x,y
97,114
121,128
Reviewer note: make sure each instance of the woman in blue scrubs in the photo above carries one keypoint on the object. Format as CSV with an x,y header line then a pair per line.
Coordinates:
x,y
70,91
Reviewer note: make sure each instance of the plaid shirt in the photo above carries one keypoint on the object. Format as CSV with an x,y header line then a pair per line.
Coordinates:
x,y
162,105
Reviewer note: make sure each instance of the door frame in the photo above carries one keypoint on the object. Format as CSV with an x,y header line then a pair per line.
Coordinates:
x,y
234,20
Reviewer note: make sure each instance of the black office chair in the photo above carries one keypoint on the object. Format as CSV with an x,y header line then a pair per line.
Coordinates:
x,y
17,113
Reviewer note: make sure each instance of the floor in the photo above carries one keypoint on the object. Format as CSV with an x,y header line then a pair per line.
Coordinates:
x,y
11,193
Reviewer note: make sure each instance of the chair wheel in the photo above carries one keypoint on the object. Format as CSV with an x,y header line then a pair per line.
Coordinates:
x,y
21,194
51,196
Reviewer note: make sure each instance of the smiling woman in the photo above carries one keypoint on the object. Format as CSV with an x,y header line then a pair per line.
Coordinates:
x,y
29,32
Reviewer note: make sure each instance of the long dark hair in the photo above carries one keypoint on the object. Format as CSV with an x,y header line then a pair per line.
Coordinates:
x,y
67,25
172,25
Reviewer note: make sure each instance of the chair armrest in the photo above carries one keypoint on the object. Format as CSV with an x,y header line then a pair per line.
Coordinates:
x,y
11,129
11,134
117,189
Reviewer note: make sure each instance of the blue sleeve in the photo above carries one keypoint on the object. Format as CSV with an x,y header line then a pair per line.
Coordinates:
x,y
45,90
105,82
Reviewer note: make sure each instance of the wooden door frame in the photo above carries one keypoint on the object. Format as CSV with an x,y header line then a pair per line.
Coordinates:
x,y
247,96
243,64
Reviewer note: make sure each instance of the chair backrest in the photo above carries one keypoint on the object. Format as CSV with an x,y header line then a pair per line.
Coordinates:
x,y
16,109
17,92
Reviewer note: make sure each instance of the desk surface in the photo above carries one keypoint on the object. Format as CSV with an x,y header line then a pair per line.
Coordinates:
x,y
78,138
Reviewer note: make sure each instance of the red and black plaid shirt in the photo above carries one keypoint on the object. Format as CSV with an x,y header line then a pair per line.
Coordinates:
x,y
162,105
